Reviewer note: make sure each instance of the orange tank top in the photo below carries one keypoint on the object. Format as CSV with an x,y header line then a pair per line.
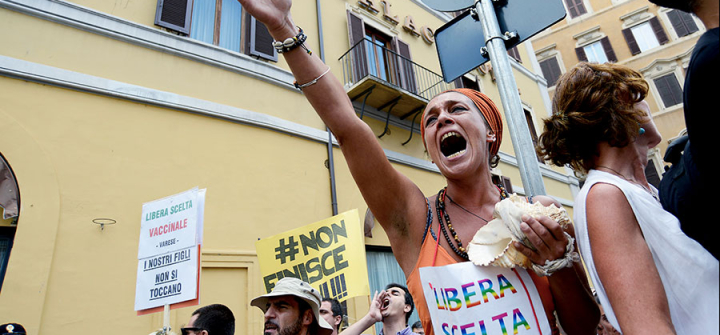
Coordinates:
x,y
432,254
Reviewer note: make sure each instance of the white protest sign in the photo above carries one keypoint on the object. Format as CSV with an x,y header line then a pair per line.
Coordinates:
x,y
168,251
465,299
169,224
167,279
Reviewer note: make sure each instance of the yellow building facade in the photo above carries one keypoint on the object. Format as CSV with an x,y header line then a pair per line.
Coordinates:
x,y
653,40
106,106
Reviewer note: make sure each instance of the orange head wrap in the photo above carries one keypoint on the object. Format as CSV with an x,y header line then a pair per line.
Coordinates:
x,y
488,110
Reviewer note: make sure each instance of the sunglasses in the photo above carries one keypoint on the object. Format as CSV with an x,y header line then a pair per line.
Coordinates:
x,y
186,331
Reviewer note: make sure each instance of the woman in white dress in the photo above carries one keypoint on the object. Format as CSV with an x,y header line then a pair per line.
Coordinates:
x,y
649,276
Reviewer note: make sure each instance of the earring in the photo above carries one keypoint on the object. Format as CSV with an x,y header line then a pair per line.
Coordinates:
x,y
642,130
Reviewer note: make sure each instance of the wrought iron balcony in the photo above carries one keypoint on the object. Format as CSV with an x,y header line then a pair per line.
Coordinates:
x,y
382,78
367,59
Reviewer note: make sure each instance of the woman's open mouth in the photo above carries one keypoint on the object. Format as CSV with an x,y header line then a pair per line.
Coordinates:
x,y
452,145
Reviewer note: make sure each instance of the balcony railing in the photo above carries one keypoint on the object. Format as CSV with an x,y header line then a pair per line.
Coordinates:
x,y
368,59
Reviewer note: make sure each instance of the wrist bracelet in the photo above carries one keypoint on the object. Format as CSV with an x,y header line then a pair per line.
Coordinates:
x,y
291,43
312,82
566,261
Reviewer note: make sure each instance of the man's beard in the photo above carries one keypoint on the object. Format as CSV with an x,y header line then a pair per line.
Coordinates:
x,y
293,329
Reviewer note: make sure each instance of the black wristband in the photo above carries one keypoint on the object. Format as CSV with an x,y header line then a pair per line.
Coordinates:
x,y
291,43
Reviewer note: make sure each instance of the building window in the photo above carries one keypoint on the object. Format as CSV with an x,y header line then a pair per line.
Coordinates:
x,y
379,59
645,36
575,8
219,27
551,70
669,90
217,22
469,83
380,55
465,82
597,52
682,22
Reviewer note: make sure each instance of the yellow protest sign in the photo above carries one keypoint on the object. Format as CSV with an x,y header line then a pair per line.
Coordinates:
x,y
329,255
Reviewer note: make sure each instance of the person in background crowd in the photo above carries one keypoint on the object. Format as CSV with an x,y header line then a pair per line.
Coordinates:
x,y
604,327
644,269
12,329
417,328
685,190
331,311
213,319
392,307
462,131
292,308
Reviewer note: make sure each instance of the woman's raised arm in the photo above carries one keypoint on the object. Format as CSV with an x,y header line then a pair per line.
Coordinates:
x,y
394,200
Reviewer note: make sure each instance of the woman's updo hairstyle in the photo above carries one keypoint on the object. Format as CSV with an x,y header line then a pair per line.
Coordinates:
x,y
593,103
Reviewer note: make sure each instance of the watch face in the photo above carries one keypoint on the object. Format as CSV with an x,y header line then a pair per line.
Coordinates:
x,y
449,5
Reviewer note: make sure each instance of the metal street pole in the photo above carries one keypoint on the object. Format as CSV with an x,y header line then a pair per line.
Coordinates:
x,y
519,132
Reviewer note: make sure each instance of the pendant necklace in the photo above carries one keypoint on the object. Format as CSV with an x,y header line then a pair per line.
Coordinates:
x,y
442,214
465,209
647,189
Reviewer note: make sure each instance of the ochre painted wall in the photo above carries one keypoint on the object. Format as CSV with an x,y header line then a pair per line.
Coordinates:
x,y
79,156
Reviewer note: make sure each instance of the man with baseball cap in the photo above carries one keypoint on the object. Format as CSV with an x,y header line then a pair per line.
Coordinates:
x,y
292,308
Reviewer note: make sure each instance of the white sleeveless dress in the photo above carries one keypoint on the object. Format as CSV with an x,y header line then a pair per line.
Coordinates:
x,y
688,272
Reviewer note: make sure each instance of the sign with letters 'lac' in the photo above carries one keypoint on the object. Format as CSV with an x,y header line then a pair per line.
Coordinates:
x,y
467,299
168,253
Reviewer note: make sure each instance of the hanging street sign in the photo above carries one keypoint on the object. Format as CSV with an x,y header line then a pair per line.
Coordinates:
x,y
460,42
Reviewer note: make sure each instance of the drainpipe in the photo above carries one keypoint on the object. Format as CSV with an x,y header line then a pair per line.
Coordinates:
x,y
331,161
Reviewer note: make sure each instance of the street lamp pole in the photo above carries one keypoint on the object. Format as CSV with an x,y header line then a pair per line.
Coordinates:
x,y
514,114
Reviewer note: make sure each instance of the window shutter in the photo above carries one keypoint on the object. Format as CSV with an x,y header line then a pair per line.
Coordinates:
x,y
609,52
356,35
260,41
407,73
683,22
551,70
515,54
658,30
689,22
669,90
581,54
575,7
507,184
677,23
174,15
533,132
631,42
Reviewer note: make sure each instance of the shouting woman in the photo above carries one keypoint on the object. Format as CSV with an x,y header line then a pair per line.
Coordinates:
x,y
462,131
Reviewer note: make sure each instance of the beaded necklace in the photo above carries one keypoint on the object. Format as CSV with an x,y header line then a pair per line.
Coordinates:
x,y
440,207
